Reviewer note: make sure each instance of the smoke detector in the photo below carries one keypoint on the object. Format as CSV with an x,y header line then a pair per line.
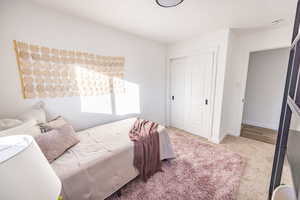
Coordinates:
x,y
277,21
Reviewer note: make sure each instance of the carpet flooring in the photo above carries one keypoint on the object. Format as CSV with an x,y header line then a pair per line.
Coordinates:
x,y
200,171
255,181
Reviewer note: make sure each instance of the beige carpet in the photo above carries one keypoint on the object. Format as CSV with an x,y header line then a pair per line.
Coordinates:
x,y
259,157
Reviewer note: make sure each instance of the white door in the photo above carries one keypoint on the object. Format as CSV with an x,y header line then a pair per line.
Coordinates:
x,y
199,83
191,93
178,69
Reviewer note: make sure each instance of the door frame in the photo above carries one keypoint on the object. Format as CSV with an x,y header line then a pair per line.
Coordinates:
x,y
246,72
182,54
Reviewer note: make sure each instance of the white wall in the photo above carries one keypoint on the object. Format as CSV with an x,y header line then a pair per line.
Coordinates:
x,y
226,99
144,66
218,40
265,87
243,43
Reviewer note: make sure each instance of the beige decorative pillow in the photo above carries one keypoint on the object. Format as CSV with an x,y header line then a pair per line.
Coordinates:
x,y
37,113
9,123
27,128
55,123
55,142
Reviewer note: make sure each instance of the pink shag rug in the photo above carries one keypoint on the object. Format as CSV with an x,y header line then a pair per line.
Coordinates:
x,y
199,172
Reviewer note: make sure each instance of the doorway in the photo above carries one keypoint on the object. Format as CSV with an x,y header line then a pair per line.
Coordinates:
x,y
192,86
264,92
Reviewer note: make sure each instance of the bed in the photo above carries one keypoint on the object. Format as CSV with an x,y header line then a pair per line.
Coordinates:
x,y
103,161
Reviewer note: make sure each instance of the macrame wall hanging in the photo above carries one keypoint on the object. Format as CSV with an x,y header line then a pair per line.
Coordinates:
x,y
49,73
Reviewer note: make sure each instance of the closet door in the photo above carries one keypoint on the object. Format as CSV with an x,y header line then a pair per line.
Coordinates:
x,y
178,70
198,94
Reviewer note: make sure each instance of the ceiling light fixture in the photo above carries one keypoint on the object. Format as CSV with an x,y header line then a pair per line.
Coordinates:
x,y
168,3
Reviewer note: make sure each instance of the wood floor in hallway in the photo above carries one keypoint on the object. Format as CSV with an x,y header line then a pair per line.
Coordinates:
x,y
259,133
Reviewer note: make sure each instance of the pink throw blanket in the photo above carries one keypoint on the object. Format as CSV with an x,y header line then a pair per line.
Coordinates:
x,y
145,136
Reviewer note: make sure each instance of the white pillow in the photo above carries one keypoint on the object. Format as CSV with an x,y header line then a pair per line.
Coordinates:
x,y
37,114
27,128
9,123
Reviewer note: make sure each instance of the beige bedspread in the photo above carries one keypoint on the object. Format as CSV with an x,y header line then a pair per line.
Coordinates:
x,y
102,162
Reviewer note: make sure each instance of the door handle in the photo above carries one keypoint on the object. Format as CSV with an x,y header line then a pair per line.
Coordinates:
x,y
206,101
172,98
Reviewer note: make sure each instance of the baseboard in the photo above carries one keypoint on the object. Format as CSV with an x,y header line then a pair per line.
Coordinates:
x,y
217,140
235,133
259,124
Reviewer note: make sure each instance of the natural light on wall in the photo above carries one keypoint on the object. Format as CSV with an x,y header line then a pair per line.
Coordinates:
x,y
118,97
129,101
89,102
96,104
